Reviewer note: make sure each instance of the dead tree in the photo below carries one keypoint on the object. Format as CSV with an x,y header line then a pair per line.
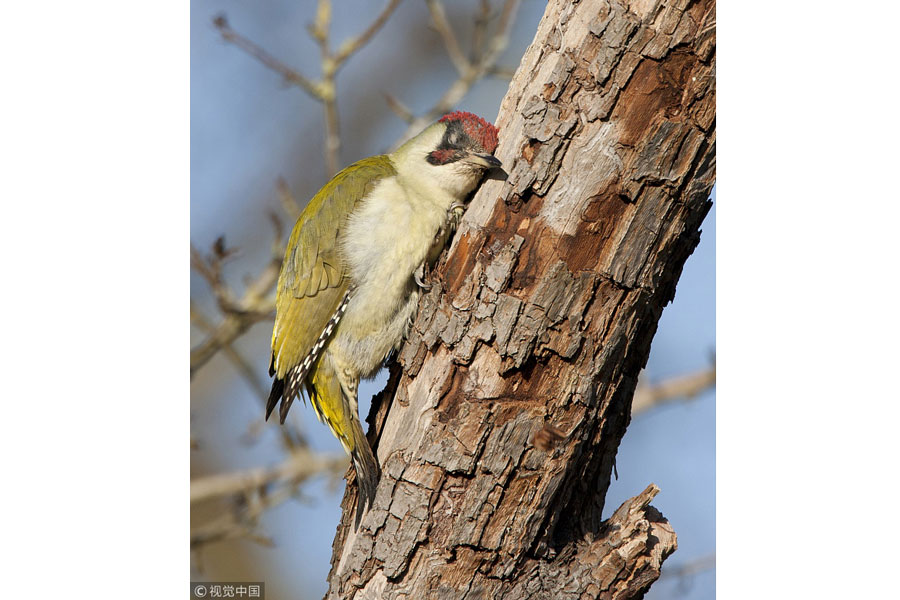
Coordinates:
x,y
498,431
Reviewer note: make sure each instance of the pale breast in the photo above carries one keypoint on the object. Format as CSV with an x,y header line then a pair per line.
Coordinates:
x,y
385,240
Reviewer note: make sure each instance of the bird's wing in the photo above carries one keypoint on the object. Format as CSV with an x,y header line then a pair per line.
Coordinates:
x,y
313,282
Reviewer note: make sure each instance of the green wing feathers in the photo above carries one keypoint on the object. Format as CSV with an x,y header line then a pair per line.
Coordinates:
x,y
313,282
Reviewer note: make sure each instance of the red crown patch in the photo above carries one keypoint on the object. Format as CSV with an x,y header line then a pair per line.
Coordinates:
x,y
476,128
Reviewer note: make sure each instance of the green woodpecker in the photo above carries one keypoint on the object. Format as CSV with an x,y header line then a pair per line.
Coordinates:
x,y
349,286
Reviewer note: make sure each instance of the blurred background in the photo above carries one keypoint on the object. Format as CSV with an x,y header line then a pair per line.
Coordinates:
x,y
249,127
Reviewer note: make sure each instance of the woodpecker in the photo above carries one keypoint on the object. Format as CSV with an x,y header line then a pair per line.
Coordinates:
x,y
353,269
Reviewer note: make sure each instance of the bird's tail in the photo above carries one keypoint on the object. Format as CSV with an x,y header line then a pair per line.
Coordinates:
x,y
335,404
367,472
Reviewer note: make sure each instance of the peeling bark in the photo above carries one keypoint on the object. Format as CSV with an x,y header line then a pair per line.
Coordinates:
x,y
498,430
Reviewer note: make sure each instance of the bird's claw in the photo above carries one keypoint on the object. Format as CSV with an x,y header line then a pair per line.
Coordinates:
x,y
419,276
454,214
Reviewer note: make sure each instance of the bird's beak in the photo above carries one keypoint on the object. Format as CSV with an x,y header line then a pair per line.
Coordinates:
x,y
488,161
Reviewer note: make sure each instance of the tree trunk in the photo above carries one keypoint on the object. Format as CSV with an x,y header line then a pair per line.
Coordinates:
x,y
499,428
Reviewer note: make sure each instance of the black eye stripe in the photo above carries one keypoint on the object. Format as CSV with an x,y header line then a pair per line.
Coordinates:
x,y
453,145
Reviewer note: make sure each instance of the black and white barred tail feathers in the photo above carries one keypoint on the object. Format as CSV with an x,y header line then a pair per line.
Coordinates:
x,y
289,387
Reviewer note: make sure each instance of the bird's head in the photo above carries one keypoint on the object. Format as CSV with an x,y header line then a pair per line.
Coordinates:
x,y
455,152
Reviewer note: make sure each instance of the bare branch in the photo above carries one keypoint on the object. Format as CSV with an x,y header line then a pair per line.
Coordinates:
x,y
400,109
690,568
501,72
254,492
349,47
210,268
319,31
684,387
331,63
442,25
332,137
290,75
475,72
298,467
325,91
242,523
500,39
223,530
291,436
239,362
254,306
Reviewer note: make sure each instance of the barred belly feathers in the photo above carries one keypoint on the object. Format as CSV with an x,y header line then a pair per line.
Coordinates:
x,y
349,285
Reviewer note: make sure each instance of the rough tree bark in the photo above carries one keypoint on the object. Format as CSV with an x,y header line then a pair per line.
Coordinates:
x,y
499,428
